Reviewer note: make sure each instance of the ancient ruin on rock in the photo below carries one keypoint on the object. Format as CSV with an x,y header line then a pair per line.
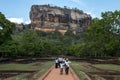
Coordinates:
x,y
48,18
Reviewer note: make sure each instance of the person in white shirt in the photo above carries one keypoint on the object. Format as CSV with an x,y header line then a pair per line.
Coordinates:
x,y
59,61
56,63
67,66
61,67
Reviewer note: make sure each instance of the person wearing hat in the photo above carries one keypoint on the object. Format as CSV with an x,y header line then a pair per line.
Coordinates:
x,y
67,66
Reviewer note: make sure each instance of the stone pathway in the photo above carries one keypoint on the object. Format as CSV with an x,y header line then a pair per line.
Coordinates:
x,y
54,74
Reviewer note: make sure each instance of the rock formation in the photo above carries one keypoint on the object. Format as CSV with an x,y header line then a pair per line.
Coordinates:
x,y
44,17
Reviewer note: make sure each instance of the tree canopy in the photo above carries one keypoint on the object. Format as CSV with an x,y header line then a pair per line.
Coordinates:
x,y
101,39
6,28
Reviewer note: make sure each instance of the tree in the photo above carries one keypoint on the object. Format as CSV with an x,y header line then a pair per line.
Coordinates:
x,y
112,21
6,28
102,37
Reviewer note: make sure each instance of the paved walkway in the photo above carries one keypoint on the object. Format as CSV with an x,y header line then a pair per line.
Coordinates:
x,y
54,74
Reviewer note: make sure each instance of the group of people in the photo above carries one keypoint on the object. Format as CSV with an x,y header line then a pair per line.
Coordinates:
x,y
62,63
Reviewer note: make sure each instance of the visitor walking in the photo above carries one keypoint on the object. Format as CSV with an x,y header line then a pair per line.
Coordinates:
x,y
56,63
67,66
60,59
61,67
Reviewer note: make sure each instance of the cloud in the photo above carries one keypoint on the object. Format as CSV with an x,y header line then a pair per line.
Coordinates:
x,y
19,20
27,22
16,20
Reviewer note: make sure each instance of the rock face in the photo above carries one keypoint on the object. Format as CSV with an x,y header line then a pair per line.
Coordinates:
x,y
21,27
44,17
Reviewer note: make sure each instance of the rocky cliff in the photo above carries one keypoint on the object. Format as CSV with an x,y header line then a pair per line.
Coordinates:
x,y
49,17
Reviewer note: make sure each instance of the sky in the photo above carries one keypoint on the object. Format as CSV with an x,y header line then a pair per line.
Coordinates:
x,y
18,10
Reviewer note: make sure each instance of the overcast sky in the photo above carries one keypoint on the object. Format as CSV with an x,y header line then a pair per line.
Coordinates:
x,y
18,10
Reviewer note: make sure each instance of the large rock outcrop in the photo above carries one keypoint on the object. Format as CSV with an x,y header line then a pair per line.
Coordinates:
x,y
44,17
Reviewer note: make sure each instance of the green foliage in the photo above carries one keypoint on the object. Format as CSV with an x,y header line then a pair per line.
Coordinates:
x,y
5,29
77,49
69,33
102,37
32,43
112,21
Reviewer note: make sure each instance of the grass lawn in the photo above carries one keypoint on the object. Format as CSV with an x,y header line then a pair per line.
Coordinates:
x,y
80,67
43,69
108,66
40,67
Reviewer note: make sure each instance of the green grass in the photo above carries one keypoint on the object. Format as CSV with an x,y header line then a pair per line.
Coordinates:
x,y
41,68
14,66
19,77
108,66
82,66
78,68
